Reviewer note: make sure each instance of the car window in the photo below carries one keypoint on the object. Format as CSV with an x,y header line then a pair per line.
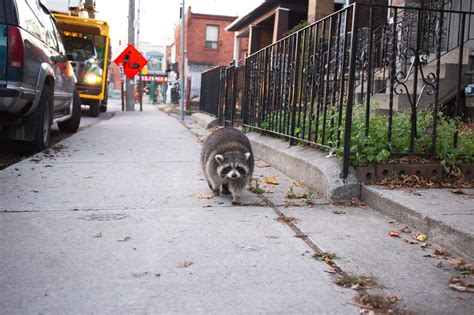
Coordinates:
x,y
29,18
51,36
79,49
59,38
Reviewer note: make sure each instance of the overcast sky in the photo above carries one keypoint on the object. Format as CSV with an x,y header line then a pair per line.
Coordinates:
x,y
158,17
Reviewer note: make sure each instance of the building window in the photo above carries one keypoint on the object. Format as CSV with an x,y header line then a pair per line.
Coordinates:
x,y
212,36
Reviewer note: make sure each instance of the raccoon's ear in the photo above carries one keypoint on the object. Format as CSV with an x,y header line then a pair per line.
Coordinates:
x,y
219,158
247,155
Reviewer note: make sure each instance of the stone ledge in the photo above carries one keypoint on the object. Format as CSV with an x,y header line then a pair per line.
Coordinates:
x,y
308,165
432,222
205,120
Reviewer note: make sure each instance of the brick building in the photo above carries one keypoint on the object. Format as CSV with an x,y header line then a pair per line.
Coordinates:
x,y
207,45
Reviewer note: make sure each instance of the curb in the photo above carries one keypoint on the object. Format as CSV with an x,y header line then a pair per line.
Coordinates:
x,y
310,166
205,120
460,242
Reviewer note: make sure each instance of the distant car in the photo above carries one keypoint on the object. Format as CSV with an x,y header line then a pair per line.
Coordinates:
x,y
37,82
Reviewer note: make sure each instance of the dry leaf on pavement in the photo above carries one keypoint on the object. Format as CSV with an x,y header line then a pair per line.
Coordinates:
x,y
124,239
332,271
261,164
394,298
338,212
203,196
438,263
421,237
184,264
272,181
458,191
97,235
441,252
285,219
406,229
394,234
297,183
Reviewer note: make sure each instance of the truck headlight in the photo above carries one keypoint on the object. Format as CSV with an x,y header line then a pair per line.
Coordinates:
x,y
92,78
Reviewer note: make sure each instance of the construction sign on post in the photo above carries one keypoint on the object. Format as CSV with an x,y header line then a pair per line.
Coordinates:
x,y
131,60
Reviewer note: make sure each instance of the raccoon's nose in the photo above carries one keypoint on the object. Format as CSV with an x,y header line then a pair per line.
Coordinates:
x,y
234,175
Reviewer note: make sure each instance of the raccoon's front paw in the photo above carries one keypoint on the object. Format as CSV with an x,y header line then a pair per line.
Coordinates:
x,y
216,192
236,203
225,189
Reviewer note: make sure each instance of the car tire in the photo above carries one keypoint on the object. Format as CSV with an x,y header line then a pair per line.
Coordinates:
x,y
103,108
42,117
94,109
72,124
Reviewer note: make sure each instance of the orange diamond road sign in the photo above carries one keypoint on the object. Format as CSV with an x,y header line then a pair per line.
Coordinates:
x,y
131,60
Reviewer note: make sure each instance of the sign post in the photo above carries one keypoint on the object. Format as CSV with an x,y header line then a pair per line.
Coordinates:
x,y
132,62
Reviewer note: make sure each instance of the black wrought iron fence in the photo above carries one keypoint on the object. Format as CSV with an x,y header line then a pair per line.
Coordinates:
x,y
360,88
211,91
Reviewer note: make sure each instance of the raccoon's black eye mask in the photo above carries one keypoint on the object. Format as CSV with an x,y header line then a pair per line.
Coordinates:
x,y
226,170
241,170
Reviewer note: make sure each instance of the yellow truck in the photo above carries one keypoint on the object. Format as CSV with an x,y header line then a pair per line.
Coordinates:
x,y
87,45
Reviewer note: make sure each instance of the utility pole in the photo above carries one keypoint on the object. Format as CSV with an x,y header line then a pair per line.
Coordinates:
x,y
131,40
183,58
89,6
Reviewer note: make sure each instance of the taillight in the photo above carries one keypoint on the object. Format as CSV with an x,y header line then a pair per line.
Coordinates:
x,y
16,51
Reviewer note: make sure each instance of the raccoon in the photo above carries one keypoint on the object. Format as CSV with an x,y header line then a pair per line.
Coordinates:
x,y
227,162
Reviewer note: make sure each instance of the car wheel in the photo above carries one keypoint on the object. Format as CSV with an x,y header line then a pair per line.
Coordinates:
x,y
72,124
42,124
94,109
103,108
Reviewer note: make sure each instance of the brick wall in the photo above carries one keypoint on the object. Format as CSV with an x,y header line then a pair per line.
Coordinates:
x,y
196,40
317,9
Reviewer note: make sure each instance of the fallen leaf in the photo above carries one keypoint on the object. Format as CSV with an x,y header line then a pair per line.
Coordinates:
x,y
285,219
411,242
331,270
458,191
393,221
438,263
456,262
356,202
328,261
424,245
394,234
97,235
394,299
203,196
297,183
272,181
124,239
338,212
184,264
421,237
460,288
406,229
87,177
441,252
262,164
429,256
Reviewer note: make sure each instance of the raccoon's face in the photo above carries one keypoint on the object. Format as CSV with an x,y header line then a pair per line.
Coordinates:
x,y
232,167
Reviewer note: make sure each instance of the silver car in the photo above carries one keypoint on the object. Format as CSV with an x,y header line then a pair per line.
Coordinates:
x,y
37,82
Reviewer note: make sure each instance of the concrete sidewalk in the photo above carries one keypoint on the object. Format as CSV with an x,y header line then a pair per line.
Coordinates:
x,y
445,217
359,236
107,223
